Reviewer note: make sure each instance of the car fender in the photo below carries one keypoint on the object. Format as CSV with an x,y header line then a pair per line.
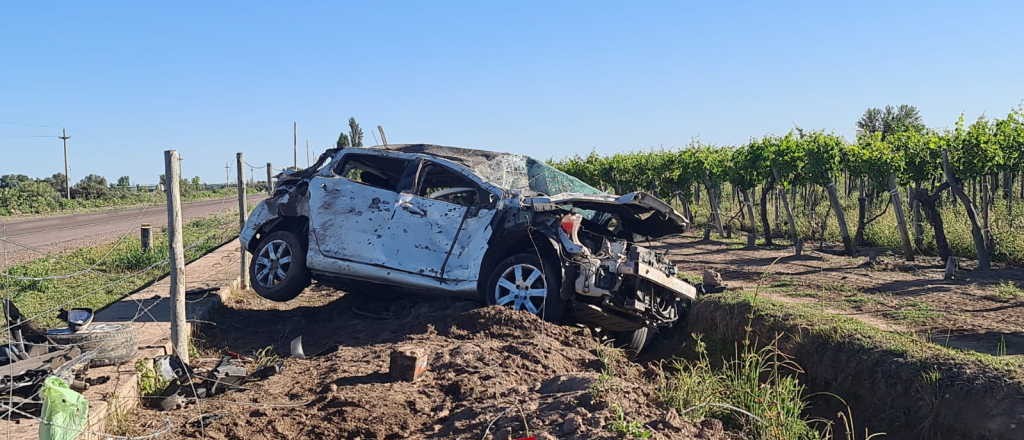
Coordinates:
x,y
260,217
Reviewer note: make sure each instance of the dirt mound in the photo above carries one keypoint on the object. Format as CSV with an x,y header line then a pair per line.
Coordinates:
x,y
493,373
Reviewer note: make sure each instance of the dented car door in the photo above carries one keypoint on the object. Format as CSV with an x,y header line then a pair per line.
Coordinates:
x,y
350,212
429,220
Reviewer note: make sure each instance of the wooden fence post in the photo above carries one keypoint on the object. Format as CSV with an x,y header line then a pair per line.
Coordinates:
x,y
179,326
270,179
242,213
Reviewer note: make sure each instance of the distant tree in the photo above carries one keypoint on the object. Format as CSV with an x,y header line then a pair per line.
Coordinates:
x,y
163,179
892,120
124,181
57,181
197,184
13,180
355,133
343,141
91,187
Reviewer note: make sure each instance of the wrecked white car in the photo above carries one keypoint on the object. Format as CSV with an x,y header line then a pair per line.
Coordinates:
x,y
502,228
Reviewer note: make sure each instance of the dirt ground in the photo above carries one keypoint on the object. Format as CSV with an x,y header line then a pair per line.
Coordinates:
x,y
493,373
968,312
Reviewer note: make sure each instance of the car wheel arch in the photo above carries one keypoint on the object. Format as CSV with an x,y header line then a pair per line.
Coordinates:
x,y
514,242
299,225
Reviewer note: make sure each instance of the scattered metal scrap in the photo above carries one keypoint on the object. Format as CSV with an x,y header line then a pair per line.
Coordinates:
x,y
31,357
186,384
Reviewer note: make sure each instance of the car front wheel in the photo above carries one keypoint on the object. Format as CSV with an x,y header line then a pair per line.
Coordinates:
x,y
278,269
525,282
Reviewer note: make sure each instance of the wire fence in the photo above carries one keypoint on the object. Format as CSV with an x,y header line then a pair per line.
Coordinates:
x,y
142,311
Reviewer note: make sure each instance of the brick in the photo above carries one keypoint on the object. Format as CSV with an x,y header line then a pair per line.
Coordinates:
x,y
408,363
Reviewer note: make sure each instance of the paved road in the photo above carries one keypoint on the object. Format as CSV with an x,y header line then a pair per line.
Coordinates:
x,y
55,234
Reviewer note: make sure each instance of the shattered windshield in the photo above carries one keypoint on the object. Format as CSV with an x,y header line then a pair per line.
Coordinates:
x,y
513,171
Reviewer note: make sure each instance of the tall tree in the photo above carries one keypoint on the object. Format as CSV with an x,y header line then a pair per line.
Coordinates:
x,y
92,186
355,133
57,181
343,141
890,121
124,181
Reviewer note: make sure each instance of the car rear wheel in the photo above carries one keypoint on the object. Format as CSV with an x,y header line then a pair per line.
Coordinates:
x,y
634,341
524,282
278,269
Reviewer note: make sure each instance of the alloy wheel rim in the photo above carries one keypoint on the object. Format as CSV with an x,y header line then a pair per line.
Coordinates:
x,y
273,263
522,287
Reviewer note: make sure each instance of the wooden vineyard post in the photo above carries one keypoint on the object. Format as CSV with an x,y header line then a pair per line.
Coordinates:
x,y
901,218
844,230
789,215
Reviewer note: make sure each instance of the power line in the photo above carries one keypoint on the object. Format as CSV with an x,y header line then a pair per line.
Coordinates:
x,y
26,125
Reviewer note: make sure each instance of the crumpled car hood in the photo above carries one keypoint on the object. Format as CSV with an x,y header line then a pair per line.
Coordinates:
x,y
640,212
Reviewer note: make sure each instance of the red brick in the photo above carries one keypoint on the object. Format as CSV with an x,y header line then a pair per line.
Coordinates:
x,y
408,362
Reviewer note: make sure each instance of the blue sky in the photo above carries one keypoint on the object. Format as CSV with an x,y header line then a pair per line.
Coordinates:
x,y
544,78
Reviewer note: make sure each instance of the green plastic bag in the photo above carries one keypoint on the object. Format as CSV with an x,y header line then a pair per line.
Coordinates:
x,y
65,412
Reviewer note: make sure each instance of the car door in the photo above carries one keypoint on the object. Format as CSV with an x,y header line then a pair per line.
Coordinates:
x,y
350,209
429,216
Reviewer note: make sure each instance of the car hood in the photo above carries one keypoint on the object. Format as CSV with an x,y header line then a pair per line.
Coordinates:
x,y
640,212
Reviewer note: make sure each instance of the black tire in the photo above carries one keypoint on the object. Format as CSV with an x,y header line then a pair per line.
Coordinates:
x,y
296,279
550,307
634,341
113,344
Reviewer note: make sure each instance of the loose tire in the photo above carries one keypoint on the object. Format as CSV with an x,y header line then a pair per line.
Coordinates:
x,y
278,269
524,282
113,344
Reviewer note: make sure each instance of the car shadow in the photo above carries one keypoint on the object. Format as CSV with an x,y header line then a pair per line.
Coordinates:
x,y
331,319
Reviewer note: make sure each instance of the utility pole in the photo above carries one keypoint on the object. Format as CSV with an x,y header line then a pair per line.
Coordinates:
x,y
307,153
67,178
227,175
295,144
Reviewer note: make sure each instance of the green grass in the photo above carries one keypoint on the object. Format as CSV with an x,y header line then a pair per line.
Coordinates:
x,y
689,277
755,390
628,428
782,281
852,359
841,288
1009,290
836,329
913,312
804,294
126,269
857,299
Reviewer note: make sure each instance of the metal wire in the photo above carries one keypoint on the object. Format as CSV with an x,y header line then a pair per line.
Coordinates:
x,y
141,311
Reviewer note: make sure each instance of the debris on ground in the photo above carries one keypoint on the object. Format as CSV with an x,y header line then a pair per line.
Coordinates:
x,y
712,278
31,357
490,373
710,283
